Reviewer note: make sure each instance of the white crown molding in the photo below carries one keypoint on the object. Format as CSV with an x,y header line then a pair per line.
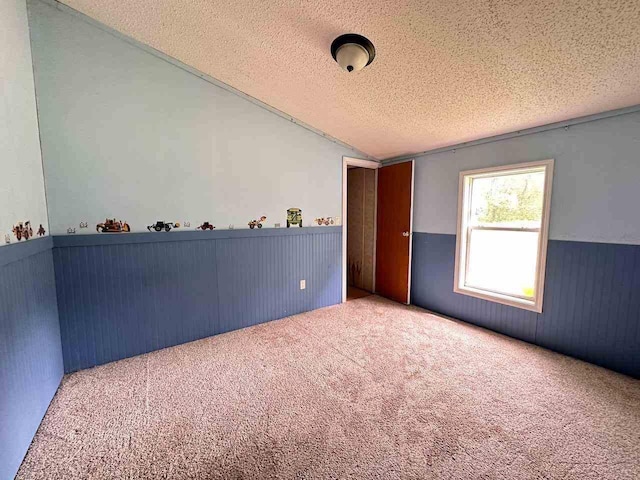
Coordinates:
x,y
518,133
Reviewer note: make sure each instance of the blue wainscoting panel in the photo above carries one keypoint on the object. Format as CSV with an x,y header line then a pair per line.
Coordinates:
x,y
432,269
30,351
592,303
591,307
131,295
259,278
117,301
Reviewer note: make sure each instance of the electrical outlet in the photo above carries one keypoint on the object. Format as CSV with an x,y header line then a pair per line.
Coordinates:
x,y
337,220
303,284
276,225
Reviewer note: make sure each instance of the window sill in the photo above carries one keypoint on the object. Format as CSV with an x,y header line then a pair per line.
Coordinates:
x,y
531,305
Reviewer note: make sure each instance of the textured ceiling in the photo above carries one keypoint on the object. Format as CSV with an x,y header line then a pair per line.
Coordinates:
x,y
446,71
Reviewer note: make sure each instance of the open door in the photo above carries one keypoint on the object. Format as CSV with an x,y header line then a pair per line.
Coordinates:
x,y
394,231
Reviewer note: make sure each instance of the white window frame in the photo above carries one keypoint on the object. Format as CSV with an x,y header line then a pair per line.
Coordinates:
x,y
463,234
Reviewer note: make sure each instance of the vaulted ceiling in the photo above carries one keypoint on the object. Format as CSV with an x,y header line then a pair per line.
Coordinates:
x,y
446,71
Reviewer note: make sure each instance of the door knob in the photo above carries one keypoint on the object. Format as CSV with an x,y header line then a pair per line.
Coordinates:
x,y
405,234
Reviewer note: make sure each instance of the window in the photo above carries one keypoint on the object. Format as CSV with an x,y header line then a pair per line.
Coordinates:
x,y
503,226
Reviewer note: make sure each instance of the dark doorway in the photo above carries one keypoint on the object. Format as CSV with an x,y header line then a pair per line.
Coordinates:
x,y
361,220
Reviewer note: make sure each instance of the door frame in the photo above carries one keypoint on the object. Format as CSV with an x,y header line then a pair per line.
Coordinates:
x,y
373,165
413,182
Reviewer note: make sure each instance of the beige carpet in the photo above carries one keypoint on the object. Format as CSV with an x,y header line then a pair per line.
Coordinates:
x,y
367,389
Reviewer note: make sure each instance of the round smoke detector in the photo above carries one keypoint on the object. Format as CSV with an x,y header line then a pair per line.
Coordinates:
x,y
353,52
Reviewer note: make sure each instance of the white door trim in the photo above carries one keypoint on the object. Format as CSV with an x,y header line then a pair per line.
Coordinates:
x,y
355,162
413,176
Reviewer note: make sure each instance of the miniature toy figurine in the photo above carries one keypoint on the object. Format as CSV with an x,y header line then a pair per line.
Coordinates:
x,y
41,231
256,223
205,226
160,225
294,217
23,230
325,221
111,226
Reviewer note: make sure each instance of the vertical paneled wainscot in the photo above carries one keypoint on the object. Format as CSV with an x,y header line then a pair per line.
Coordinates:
x,y
121,295
30,352
591,305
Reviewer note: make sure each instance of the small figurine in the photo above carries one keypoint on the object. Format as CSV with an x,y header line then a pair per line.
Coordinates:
x,y
84,224
23,230
41,231
256,223
111,226
325,221
161,225
294,217
205,226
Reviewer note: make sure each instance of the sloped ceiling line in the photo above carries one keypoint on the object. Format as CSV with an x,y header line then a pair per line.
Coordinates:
x,y
173,61
445,72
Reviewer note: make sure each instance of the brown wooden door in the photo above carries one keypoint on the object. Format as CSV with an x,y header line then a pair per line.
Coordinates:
x,y
393,238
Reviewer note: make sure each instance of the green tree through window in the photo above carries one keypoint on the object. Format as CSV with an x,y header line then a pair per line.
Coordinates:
x,y
511,198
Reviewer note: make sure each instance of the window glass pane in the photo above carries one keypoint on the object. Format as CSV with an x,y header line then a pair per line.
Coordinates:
x,y
508,200
503,261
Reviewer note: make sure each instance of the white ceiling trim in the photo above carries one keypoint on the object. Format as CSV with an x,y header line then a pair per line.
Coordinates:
x,y
518,133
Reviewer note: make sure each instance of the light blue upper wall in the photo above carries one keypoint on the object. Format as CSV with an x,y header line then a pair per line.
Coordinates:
x,y
596,185
22,195
129,135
